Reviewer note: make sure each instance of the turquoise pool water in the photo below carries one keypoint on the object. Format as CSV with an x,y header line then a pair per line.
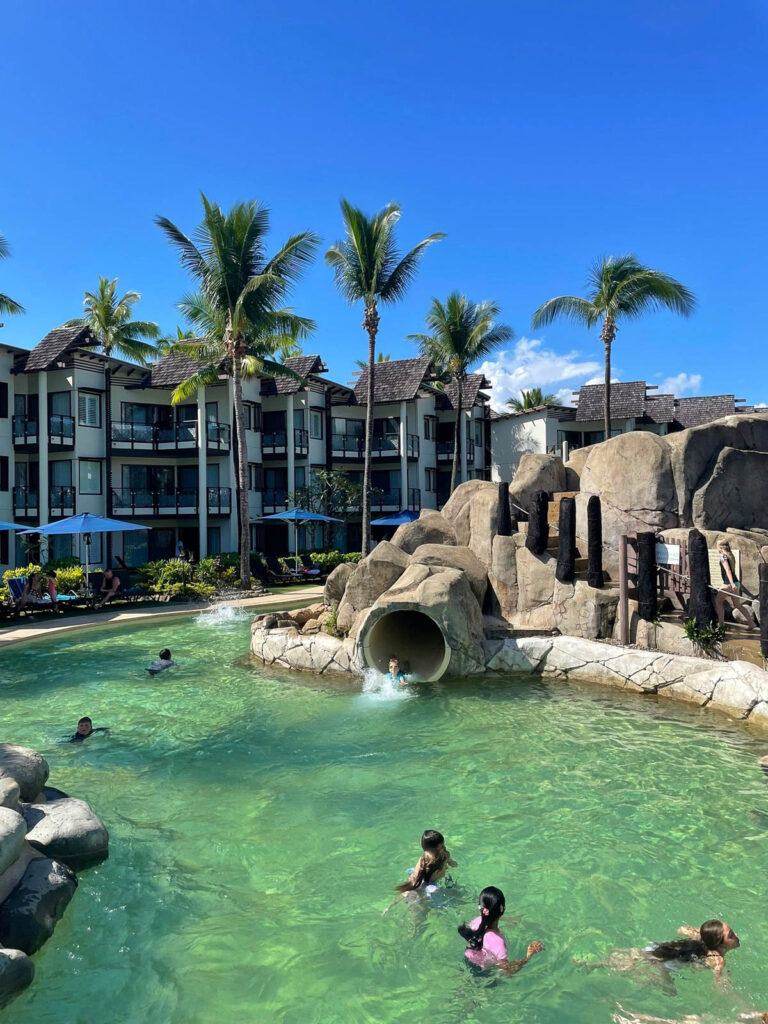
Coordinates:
x,y
259,822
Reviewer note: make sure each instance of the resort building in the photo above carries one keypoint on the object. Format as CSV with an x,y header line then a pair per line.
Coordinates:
x,y
564,428
83,433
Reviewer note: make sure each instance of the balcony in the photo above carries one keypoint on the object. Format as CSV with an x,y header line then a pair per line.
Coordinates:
x,y
219,501
61,501
61,432
347,446
350,446
143,438
26,502
445,451
274,444
274,500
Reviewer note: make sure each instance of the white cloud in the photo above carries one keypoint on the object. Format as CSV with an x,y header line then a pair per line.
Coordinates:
x,y
690,382
529,365
601,380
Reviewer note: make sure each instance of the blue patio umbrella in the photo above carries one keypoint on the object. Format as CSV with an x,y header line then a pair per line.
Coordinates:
x,y
85,524
396,518
299,516
11,526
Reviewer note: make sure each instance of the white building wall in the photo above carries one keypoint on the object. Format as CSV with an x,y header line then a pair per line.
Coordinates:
x,y
515,436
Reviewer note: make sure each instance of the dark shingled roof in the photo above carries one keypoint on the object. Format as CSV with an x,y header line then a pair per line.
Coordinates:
x,y
659,408
473,383
55,344
692,412
397,380
172,369
303,365
627,401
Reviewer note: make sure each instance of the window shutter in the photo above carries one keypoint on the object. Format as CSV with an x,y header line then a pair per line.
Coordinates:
x,y
82,409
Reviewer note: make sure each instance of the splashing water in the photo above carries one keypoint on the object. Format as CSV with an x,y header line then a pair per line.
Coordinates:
x,y
223,615
378,686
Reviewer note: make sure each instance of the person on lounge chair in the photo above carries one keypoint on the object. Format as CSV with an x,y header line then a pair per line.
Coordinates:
x,y
31,595
110,585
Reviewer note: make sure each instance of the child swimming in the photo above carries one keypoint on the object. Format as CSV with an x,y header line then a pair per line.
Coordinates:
x,y
432,864
85,729
486,945
396,674
163,662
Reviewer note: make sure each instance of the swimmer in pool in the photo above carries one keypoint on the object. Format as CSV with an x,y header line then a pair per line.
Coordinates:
x,y
85,729
486,945
431,867
705,946
164,661
396,674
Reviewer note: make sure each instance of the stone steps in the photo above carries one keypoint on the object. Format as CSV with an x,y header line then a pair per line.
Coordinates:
x,y
553,509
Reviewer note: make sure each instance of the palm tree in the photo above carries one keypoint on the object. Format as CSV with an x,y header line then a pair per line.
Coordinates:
x,y
109,318
462,333
7,305
380,358
368,267
239,311
532,398
620,288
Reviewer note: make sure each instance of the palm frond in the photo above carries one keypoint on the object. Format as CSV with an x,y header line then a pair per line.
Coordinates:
x,y
403,273
570,307
190,256
188,388
9,306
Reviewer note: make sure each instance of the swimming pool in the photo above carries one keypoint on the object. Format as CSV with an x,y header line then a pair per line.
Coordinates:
x,y
259,822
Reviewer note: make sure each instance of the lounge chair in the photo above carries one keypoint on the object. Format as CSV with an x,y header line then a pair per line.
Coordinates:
x,y
16,586
278,574
309,566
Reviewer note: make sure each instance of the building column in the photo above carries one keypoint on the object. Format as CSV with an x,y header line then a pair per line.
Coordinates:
x,y
403,455
234,518
290,454
43,490
464,446
202,474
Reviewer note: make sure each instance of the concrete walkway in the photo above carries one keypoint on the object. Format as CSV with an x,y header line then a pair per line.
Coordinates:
x,y
42,628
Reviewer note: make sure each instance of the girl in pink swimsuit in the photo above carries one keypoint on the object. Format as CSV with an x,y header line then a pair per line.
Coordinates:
x,y
486,946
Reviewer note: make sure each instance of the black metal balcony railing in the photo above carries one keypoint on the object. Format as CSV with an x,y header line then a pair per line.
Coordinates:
x,y
219,500
386,500
218,436
274,442
61,430
140,501
148,437
385,447
274,499
61,500
470,451
347,446
445,450
300,441
26,501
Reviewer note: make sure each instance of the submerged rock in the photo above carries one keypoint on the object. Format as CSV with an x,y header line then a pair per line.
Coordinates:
x,y
31,912
16,974
67,830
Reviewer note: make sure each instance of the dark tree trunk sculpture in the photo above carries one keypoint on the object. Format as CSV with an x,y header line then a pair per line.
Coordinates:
x,y
505,519
566,541
647,602
538,527
594,542
700,605
762,571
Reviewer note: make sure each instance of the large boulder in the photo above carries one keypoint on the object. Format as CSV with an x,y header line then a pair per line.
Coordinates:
x,y
29,915
736,494
537,473
536,589
12,832
24,766
502,577
430,528
9,792
68,831
585,611
473,511
454,557
693,454
16,973
574,467
375,574
336,583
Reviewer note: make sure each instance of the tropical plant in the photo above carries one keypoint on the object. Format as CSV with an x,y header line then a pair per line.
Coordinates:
x,y
380,358
707,639
238,313
109,318
462,333
531,398
7,304
619,288
368,268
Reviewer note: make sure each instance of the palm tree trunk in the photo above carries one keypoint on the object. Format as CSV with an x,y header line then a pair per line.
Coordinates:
x,y
608,335
108,458
371,325
457,435
242,474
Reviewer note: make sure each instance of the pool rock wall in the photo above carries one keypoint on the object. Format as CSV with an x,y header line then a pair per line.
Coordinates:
x,y
45,836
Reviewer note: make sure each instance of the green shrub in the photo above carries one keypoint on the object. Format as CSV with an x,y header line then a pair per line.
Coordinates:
x,y
70,562
328,560
216,572
70,578
27,570
199,591
707,640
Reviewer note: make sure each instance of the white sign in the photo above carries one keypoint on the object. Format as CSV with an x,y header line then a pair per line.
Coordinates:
x,y
668,554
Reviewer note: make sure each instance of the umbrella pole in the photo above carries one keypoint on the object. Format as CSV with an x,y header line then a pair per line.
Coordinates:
x,y
87,539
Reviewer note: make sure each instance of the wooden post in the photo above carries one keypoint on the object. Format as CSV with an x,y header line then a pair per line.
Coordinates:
x,y
700,604
505,519
762,572
623,591
646,576
538,526
594,542
566,542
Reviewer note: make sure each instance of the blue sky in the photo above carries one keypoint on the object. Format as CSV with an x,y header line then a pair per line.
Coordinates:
x,y
537,136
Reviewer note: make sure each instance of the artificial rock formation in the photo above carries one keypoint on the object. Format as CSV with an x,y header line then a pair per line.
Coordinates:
x,y
44,834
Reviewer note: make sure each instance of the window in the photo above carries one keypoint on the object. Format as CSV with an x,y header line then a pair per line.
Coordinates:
x,y
431,480
214,540
4,480
430,428
252,413
4,409
90,476
88,409
3,547
316,423
255,477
